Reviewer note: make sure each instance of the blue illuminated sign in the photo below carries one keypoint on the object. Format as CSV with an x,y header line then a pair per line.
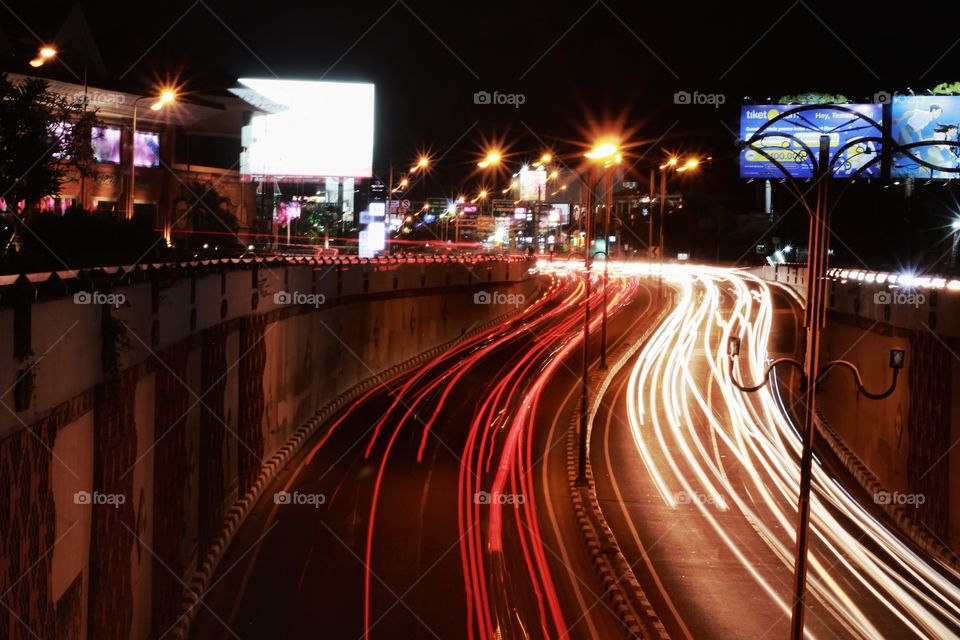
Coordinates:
x,y
804,128
922,119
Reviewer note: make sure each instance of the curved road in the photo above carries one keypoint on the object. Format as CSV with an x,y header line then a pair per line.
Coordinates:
x,y
698,482
436,506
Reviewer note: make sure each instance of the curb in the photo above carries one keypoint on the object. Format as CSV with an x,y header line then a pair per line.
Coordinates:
x,y
238,512
622,589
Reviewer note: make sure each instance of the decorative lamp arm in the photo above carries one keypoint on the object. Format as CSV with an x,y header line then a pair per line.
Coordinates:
x,y
897,358
733,350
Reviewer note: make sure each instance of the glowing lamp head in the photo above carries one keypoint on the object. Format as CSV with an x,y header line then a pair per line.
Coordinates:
x,y
602,151
692,163
482,194
167,96
43,55
491,159
733,346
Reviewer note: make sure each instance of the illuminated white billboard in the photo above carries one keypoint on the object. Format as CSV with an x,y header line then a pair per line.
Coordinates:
x,y
533,184
307,130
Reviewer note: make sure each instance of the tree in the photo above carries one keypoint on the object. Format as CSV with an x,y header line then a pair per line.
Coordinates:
x,y
42,133
814,97
208,215
946,89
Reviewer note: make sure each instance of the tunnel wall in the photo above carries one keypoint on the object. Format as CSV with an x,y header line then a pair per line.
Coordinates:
x,y
906,440
172,400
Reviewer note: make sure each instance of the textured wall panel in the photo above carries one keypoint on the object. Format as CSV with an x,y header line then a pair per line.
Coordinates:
x,y
111,537
171,474
253,352
928,428
213,432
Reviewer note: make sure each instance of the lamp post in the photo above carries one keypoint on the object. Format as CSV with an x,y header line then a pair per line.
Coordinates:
x,y
167,96
815,312
673,163
45,54
545,159
581,480
608,154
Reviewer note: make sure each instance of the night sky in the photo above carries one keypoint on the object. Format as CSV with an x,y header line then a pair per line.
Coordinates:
x,y
579,66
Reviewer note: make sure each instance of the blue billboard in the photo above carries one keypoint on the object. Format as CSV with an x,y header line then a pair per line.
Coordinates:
x,y
922,119
805,128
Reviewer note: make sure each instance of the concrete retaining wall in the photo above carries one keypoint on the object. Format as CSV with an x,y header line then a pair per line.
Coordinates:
x,y
164,408
906,441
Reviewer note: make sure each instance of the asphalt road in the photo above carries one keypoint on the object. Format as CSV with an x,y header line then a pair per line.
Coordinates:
x,y
397,535
698,483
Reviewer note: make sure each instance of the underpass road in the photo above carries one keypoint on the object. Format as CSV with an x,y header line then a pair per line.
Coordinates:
x,y
698,483
399,545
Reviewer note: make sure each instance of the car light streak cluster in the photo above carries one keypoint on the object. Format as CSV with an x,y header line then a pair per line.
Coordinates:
x,y
700,437
502,554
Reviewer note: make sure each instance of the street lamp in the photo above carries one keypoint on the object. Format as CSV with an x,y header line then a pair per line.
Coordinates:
x,y
672,163
45,53
422,163
608,154
815,310
166,97
492,159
